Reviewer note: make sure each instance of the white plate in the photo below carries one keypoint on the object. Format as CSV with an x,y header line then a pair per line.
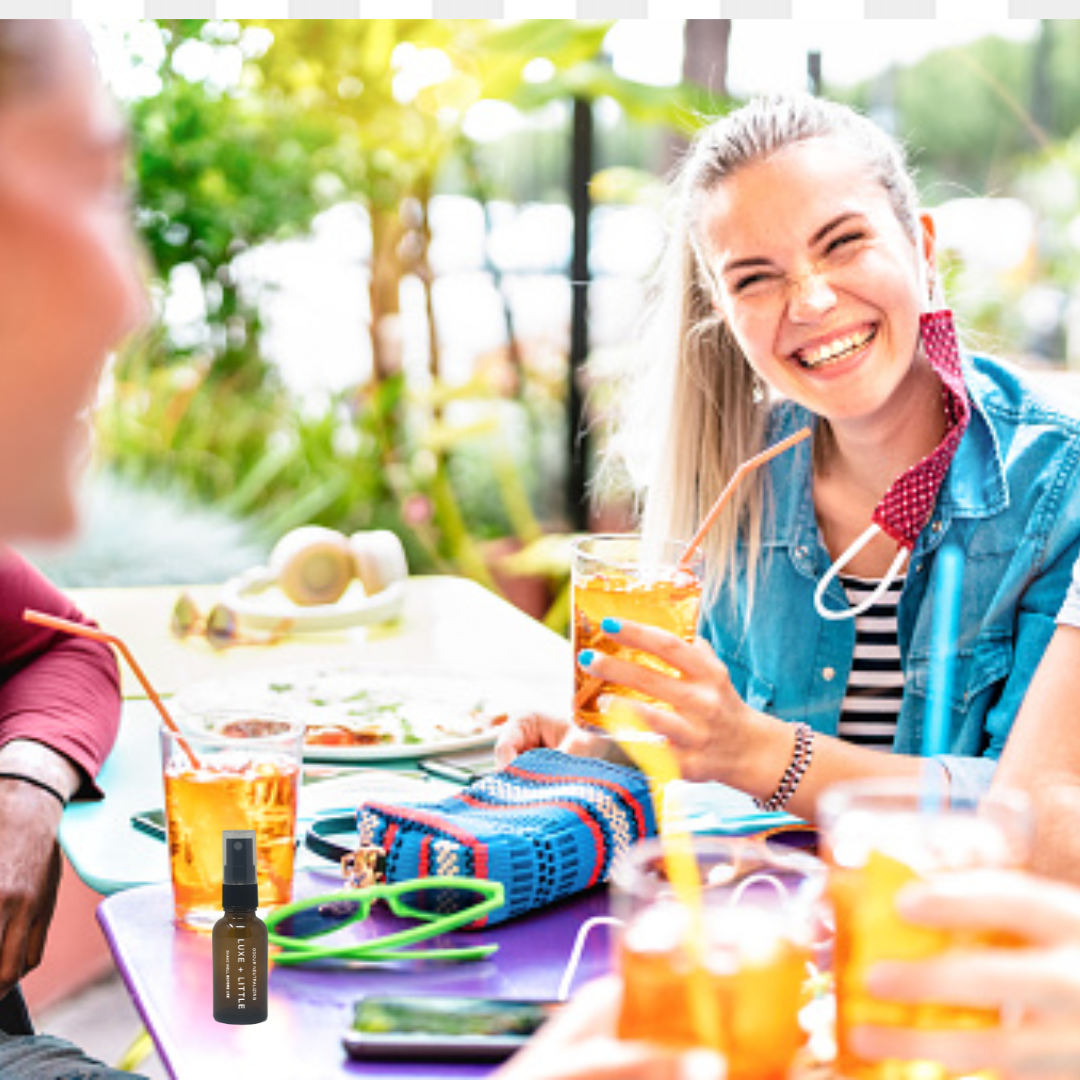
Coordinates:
x,y
262,605
441,712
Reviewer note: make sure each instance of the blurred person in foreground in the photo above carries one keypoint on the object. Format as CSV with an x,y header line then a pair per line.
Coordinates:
x,y
70,288
1036,986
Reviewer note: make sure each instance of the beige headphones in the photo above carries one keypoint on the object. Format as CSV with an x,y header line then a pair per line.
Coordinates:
x,y
326,580
314,565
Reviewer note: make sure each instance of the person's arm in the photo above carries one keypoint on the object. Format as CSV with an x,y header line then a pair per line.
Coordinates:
x,y
59,710
717,736
1036,984
1042,756
58,692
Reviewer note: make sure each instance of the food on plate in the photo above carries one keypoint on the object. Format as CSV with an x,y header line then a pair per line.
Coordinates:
x,y
356,712
377,717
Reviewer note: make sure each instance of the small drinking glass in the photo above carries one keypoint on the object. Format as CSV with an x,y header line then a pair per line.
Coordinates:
x,y
879,836
615,576
734,979
247,777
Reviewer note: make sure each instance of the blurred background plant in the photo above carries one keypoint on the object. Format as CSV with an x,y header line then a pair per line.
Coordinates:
x,y
251,133
372,241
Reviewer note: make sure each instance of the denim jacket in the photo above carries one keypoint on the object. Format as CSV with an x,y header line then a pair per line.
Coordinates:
x,y
1009,501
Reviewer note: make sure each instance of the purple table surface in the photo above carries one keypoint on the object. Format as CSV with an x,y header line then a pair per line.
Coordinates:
x,y
168,973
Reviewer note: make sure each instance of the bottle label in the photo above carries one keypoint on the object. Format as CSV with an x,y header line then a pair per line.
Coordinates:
x,y
241,979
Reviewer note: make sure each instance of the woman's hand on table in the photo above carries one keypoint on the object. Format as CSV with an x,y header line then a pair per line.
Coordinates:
x,y
580,1044
535,731
1036,985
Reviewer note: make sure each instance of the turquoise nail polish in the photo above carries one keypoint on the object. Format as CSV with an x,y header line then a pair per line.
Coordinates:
x,y
611,626
586,657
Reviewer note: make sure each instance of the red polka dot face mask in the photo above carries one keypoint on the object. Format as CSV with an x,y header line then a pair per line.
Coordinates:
x,y
906,507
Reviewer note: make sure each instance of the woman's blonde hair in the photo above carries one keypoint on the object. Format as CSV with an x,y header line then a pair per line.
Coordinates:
x,y
695,409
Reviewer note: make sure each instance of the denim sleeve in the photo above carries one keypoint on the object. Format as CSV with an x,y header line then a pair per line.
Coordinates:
x,y
1070,610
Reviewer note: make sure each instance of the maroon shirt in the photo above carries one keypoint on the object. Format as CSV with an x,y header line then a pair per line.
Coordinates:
x,y
56,689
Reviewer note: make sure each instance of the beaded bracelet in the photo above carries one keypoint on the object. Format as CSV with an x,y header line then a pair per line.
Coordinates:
x,y
796,770
37,783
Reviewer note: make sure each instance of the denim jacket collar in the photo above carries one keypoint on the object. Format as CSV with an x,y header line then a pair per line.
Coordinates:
x,y
974,487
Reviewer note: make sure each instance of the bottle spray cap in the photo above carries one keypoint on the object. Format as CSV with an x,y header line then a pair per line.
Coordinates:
x,y
240,887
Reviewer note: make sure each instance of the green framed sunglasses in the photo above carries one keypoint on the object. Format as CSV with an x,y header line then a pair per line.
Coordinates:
x,y
439,904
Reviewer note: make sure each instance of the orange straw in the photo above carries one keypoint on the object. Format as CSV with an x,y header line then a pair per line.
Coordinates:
x,y
68,627
747,466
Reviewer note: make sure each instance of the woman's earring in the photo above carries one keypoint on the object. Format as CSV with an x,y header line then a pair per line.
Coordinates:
x,y
757,393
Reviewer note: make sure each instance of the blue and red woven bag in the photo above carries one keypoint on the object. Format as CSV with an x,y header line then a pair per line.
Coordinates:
x,y
547,826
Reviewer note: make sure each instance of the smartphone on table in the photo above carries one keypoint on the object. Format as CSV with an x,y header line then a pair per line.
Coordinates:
x,y
151,822
463,767
422,1028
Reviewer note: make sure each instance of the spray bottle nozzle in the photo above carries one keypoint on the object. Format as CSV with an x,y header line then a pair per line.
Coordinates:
x,y
238,856
239,879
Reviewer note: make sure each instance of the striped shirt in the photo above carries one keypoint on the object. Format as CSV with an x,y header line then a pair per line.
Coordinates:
x,y
875,688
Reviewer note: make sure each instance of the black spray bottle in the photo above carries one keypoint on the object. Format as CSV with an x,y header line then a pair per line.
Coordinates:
x,y
240,936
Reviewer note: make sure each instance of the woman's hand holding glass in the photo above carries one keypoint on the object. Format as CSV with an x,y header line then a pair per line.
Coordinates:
x,y
1034,978
708,726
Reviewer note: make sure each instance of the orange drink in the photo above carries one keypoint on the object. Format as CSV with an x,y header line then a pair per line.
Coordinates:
x,y
248,778
881,836
744,955
612,578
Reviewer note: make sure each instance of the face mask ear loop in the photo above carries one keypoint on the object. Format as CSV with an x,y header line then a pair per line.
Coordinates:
x,y
567,982
874,597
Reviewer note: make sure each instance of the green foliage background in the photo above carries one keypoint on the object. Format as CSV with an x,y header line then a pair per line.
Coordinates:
x,y
315,120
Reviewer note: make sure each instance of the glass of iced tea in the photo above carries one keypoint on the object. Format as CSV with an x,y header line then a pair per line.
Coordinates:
x,y
616,577
248,776
880,836
732,979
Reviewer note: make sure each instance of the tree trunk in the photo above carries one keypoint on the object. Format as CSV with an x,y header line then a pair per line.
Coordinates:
x,y
1042,104
706,43
581,171
705,56
384,290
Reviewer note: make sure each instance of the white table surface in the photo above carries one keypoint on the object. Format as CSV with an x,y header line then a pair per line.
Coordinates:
x,y
448,625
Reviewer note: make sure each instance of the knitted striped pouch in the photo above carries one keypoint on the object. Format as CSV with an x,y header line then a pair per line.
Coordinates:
x,y
547,826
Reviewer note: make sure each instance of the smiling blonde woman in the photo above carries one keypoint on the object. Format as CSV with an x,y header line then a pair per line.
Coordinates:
x,y
800,289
